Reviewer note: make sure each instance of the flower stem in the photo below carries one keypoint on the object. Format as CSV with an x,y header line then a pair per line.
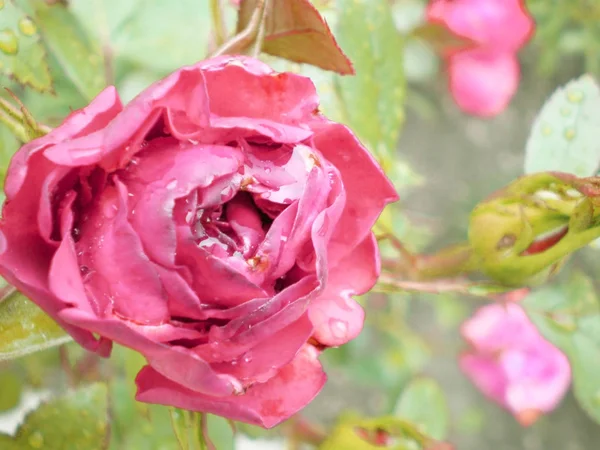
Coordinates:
x,y
216,9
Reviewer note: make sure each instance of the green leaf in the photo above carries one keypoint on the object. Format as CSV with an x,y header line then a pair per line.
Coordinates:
x,y
25,328
10,394
373,99
136,425
75,421
220,432
80,61
295,30
568,315
146,32
357,433
564,136
22,56
423,403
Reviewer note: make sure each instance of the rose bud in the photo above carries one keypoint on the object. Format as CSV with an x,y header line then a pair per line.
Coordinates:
x,y
512,364
218,224
523,233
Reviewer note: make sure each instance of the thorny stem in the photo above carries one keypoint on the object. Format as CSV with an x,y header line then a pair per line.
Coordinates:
x,y
449,262
241,41
6,292
260,38
204,430
216,9
301,431
21,122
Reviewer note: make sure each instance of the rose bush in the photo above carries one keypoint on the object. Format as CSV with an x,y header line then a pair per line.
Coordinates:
x,y
218,224
485,76
511,363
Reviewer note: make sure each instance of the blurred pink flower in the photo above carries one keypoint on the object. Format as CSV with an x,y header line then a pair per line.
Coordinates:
x,y
485,76
511,363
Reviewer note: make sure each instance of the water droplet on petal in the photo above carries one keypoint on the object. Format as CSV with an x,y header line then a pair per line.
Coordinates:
x,y
247,358
27,27
36,440
84,270
110,211
172,185
338,328
569,134
267,170
9,44
575,95
234,362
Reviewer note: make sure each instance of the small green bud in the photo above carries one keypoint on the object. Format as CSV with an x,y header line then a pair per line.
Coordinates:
x,y
523,233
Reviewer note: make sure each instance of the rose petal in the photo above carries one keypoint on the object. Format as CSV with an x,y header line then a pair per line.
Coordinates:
x,y
87,120
164,172
266,404
485,21
483,83
285,98
367,188
483,372
336,316
174,363
111,250
264,360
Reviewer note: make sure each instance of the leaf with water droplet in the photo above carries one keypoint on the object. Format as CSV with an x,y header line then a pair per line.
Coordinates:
x,y
137,31
80,60
568,315
74,421
22,55
25,328
373,99
564,136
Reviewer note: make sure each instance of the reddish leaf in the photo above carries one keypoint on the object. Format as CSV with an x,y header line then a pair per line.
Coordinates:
x,y
295,30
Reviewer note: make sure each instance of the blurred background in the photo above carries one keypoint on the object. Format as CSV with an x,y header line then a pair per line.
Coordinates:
x,y
443,163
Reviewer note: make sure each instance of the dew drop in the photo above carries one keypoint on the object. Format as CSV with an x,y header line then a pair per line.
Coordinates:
x,y
247,358
236,385
172,185
267,170
339,328
546,130
110,211
569,134
27,27
84,270
9,44
565,111
234,362
36,440
575,96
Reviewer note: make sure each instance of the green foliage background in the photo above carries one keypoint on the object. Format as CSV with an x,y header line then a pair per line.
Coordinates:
x,y
56,58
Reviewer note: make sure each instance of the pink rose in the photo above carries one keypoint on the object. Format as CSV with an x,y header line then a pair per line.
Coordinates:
x,y
218,224
484,78
511,363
